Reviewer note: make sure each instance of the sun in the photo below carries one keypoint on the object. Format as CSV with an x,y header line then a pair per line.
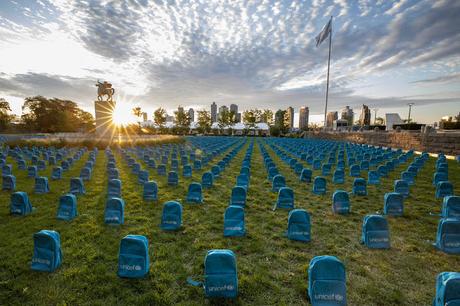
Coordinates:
x,y
122,115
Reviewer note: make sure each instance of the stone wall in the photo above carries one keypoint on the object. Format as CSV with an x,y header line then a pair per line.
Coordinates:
x,y
445,142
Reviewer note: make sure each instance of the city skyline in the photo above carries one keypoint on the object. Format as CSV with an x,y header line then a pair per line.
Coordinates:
x,y
385,54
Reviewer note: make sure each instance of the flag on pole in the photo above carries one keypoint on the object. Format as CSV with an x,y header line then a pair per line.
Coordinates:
x,y
324,34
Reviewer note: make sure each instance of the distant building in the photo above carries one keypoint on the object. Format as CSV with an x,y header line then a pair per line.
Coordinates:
x,y
330,118
144,116
191,114
365,117
340,125
213,112
169,118
223,109
347,114
289,117
392,119
304,112
238,117
234,109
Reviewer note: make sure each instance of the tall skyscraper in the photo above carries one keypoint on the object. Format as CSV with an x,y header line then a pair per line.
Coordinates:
x,y
365,117
304,112
331,116
213,112
347,114
289,117
234,108
191,114
144,116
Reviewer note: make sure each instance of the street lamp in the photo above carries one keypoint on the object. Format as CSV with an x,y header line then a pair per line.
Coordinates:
x,y
410,107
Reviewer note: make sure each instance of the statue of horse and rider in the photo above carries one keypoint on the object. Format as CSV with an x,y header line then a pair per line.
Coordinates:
x,y
104,89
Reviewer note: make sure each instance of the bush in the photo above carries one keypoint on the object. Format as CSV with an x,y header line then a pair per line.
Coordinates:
x,y
409,126
449,125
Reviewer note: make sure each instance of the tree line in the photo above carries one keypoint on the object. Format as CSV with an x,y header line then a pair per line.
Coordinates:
x,y
45,115
225,120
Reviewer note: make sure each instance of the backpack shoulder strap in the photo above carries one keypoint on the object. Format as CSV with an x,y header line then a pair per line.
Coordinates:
x,y
194,283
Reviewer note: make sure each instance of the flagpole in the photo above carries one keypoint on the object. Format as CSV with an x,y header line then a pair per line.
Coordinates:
x,y
327,82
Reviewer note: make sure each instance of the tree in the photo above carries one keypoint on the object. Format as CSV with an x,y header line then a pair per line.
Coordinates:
x,y
232,117
224,119
267,116
182,120
137,111
249,118
159,117
204,121
280,123
379,121
54,115
5,117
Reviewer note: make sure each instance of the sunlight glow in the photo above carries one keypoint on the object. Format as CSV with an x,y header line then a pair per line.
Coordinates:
x,y
122,115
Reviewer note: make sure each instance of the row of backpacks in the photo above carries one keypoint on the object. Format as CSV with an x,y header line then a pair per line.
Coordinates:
x,y
326,274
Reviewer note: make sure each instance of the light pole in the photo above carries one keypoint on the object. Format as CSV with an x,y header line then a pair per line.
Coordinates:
x,y
410,107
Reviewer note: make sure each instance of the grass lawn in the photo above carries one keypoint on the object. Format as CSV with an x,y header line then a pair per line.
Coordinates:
x,y
271,268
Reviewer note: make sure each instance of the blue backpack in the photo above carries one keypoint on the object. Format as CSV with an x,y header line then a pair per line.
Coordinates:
x,y
375,232
20,204
402,187
285,198
56,173
340,202
47,255
451,207
9,182
85,173
299,227
114,188
171,218
67,209
359,186
133,257
238,196
76,186
447,289
173,178
319,185
32,171
195,194
114,211
278,182
234,224
327,281
41,185
207,179
221,277
393,204
305,175
150,192
444,188
143,177
448,236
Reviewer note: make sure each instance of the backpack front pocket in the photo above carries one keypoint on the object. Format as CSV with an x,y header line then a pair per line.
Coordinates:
x,y
221,285
451,243
329,292
378,239
43,260
132,266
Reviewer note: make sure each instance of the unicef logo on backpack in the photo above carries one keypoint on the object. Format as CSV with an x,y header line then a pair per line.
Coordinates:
x,y
131,267
41,261
453,244
329,297
221,288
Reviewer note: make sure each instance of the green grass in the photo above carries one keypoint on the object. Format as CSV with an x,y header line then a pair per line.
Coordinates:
x,y
271,268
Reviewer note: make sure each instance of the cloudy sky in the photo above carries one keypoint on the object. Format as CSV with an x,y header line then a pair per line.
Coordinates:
x,y
253,53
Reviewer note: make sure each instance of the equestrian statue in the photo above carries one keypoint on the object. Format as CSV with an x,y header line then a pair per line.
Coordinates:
x,y
104,89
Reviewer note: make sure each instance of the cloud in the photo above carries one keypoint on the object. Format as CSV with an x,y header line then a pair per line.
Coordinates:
x,y
439,80
251,53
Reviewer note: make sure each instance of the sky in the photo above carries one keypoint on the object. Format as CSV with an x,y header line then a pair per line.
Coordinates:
x,y
256,54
